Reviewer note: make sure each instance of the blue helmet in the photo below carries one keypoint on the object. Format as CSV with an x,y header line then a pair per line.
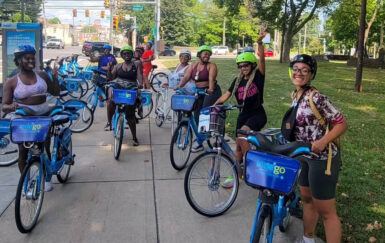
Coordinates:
x,y
23,49
107,46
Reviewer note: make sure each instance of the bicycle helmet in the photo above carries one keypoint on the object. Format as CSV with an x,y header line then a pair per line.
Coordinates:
x,y
126,48
23,49
246,57
303,58
204,48
185,52
107,46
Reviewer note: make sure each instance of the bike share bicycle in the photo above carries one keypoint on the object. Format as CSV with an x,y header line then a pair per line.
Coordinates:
x,y
9,152
32,132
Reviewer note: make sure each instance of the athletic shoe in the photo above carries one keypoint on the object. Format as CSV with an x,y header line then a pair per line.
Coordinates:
x,y
228,183
135,142
48,186
107,127
197,148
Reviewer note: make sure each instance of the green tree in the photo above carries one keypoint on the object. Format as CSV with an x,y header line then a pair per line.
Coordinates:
x,y
54,21
17,18
88,29
10,7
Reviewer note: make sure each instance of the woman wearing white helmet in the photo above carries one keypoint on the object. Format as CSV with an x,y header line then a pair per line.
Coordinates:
x,y
178,74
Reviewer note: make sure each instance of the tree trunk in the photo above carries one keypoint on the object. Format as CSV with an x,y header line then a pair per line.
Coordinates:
x,y
287,45
382,36
358,84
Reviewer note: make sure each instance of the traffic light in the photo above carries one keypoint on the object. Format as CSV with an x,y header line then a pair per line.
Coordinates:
x,y
120,16
102,14
106,3
74,12
115,23
87,13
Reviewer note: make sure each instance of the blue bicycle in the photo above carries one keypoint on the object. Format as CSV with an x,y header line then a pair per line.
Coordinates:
x,y
181,141
9,152
122,98
273,170
32,133
98,79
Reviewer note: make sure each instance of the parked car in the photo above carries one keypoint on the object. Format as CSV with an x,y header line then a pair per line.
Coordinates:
x,y
220,50
85,44
96,49
242,50
44,44
268,53
75,43
167,52
55,43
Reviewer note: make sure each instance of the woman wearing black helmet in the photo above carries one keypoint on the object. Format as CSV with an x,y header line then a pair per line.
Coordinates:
x,y
28,89
319,174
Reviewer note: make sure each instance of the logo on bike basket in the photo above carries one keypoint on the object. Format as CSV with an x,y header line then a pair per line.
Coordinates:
x,y
271,169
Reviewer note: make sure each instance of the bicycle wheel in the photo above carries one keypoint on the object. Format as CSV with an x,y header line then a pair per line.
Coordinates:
x,y
84,85
92,102
146,110
118,136
85,116
263,225
29,196
203,187
180,147
64,171
159,115
157,80
78,94
9,152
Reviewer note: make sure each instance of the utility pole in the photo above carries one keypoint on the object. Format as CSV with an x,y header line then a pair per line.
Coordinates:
x,y
111,27
224,31
45,22
22,11
157,11
304,39
299,42
360,59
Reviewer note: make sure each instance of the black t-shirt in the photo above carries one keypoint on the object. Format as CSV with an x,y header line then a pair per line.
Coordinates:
x,y
254,97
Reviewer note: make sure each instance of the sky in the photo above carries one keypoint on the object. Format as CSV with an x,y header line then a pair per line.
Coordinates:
x,y
63,10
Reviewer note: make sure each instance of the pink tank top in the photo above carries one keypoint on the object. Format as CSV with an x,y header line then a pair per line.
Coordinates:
x,y
23,91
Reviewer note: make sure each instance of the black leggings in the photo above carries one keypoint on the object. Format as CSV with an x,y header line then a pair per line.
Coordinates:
x,y
206,100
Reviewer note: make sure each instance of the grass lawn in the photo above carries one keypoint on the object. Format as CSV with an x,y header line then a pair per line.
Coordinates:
x,y
361,188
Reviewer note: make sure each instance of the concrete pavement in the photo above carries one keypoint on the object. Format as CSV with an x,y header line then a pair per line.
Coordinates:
x,y
139,198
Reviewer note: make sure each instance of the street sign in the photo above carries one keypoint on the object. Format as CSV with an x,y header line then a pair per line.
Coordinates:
x,y
137,7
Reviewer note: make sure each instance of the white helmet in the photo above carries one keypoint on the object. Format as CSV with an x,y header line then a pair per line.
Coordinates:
x,y
185,52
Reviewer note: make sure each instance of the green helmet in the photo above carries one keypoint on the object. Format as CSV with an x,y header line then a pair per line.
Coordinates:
x,y
126,48
204,48
246,57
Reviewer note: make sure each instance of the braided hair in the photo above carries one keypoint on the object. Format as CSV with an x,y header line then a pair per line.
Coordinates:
x,y
239,79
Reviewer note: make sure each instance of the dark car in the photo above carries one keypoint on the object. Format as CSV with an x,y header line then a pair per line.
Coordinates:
x,y
167,52
96,49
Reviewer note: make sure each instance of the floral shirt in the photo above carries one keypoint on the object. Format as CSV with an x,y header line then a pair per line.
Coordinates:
x,y
308,129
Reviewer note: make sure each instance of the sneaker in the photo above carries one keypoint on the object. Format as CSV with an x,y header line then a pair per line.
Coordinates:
x,y
101,103
197,148
107,127
48,186
135,142
228,183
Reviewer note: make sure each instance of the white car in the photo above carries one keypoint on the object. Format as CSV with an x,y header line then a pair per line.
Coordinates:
x,y
220,50
55,43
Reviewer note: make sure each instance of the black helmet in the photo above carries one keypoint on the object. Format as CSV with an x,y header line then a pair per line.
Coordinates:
x,y
303,58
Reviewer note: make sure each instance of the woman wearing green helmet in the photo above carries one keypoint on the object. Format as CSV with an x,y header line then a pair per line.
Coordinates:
x,y
125,75
204,74
248,91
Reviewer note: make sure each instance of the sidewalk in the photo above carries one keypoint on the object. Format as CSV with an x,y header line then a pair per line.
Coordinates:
x,y
139,198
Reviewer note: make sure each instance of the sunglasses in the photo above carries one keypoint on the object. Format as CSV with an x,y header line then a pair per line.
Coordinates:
x,y
243,66
126,53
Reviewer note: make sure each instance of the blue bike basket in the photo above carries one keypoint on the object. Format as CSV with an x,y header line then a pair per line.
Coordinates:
x,y
146,97
72,85
30,129
182,102
4,126
124,96
271,171
87,75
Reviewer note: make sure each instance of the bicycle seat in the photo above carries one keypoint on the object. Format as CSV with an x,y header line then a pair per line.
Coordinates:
x,y
60,119
99,72
154,66
80,68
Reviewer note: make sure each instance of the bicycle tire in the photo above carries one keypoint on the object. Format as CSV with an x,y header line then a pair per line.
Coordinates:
x,y
213,190
159,118
21,226
177,162
84,85
157,80
118,137
85,116
91,102
286,221
263,225
62,178
9,154
78,94
146,111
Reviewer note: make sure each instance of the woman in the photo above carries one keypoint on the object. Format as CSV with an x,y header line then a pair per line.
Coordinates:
x,y
139,50
248,91
204,74
146,59
178,74
28,89
319,175
125,75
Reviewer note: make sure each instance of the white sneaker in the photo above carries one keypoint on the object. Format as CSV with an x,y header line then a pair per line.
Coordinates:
x,y
48,186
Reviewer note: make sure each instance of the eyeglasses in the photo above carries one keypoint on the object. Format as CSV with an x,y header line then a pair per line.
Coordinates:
x,y
126,53
303,71
243,66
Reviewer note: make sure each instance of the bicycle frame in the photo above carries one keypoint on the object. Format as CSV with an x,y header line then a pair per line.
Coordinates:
x,y
119,110
97,92
192,124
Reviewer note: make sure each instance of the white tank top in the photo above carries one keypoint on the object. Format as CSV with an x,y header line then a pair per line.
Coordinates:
x,y
176,76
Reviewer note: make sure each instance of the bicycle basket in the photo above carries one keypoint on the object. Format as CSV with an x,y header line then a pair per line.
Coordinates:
x,y
124,96
98,79
30,129
271,171
4,126
72,85
87,75
217,120
182,102
146,97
